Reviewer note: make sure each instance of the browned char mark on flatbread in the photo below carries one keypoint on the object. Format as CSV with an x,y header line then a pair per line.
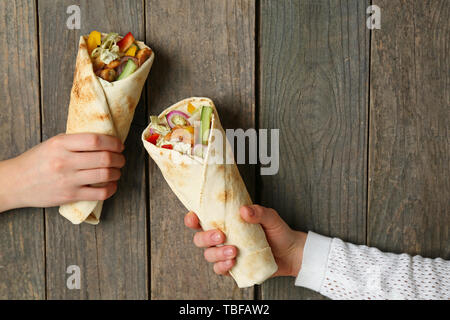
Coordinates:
x,y
175,172
81,92
183,165
218,225
101,117
225,196
131,103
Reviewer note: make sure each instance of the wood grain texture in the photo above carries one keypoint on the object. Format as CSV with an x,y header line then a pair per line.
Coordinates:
x,y
203,48
314,87
409,186
22,257
113,255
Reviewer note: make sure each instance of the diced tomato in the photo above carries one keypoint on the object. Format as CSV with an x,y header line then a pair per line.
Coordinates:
x,y
153,138
167,146
126,42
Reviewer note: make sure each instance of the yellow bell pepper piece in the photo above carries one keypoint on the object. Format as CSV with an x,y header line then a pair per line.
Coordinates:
x,y
94,40
190,108
132,51
190,129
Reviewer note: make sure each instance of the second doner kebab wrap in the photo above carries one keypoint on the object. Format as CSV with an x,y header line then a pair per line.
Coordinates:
x,y
109,76
189,145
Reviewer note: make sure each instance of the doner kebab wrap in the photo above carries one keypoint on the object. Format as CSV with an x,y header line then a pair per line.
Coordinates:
x,y
189,145
109,76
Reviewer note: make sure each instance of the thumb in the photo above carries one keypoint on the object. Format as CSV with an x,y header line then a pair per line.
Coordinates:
x,y
267,217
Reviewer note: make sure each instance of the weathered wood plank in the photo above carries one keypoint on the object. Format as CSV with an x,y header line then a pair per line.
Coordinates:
x,y
409,190
314,88
113,255
22,257
203,48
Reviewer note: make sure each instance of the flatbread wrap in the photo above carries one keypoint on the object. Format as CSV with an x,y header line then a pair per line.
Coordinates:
x,y
189,145
109,76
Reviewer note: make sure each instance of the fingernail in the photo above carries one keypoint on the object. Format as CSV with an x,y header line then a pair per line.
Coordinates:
x,y
216,237
251,212
228,252
228,262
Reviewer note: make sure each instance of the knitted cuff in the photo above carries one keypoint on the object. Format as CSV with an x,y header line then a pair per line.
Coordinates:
x,y
314,263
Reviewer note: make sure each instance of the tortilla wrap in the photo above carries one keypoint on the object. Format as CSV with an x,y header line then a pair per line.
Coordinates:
x,y
215,191
99,106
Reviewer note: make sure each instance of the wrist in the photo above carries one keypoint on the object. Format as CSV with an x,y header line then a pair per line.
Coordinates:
x,y
297,256
8,193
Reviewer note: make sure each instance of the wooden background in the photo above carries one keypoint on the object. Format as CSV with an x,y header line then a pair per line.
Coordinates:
x,y
364,140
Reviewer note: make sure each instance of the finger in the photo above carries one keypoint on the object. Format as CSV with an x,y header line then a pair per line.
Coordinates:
x,y
191,221
208,238
97,193
91,142
223,267
224,253
94,176
268,218
97,159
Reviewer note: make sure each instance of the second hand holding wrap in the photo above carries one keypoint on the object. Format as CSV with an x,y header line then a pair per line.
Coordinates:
x,y
215,191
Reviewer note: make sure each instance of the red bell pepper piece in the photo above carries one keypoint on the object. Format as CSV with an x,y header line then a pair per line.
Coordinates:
x,y
153,138
126,42
167,146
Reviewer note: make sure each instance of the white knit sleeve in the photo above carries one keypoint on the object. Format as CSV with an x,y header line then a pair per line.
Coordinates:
x,y
341,270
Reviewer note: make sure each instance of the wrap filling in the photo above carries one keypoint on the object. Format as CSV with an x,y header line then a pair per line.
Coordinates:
x,y
115,58
185,130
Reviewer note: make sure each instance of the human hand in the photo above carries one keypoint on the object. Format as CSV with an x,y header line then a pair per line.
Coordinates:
x,y
287,245
61,170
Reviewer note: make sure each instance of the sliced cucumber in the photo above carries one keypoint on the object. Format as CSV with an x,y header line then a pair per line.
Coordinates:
x,y
130,67
206,123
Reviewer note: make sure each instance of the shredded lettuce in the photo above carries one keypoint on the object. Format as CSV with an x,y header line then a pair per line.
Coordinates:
x,y
108,50
159,128
110,41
